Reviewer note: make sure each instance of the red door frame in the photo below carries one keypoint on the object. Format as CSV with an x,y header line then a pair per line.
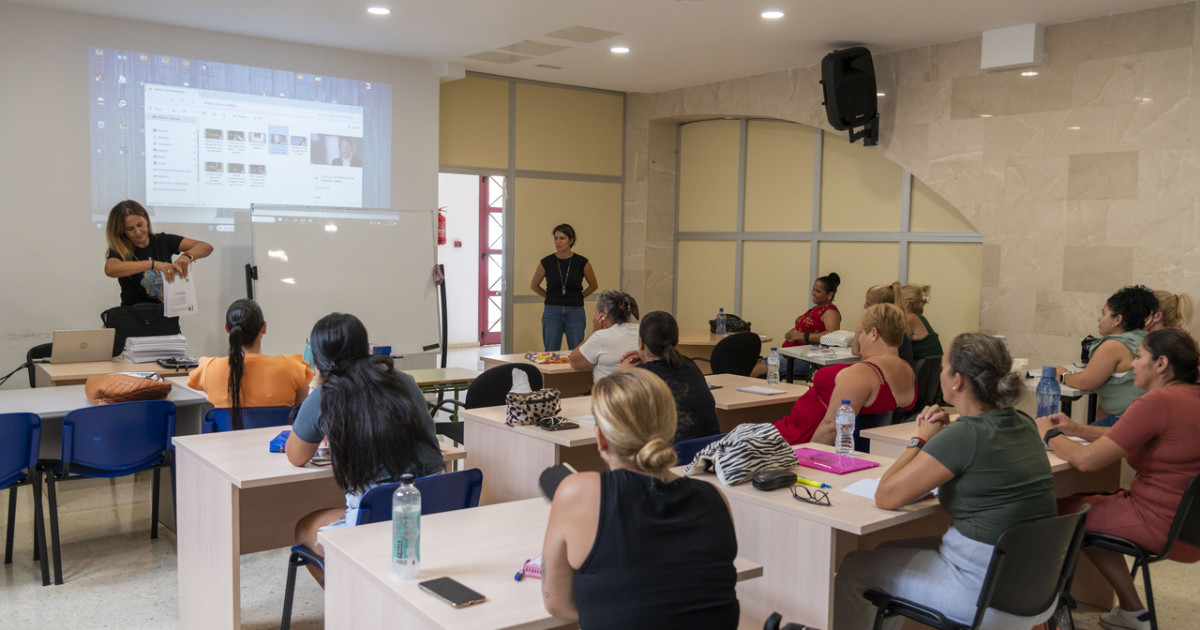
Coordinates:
x,y
486,293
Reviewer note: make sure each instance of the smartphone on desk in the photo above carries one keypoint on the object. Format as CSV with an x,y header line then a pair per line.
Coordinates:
x,y
561,426
452,592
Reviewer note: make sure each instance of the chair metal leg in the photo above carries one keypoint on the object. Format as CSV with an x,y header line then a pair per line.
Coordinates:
x,y
289,591
154,507
39,529
1149,596
54,546
12,522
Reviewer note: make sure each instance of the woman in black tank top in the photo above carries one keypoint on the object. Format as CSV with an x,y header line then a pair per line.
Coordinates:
x,y
639,547
564,272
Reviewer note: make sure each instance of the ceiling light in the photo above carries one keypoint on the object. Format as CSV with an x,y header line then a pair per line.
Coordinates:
x,y
1074,128
378,10
772,15
1029,73
881,94
620,49
1145,99
985,115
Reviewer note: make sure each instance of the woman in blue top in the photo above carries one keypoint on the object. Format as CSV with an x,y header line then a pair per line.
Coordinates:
x,y
375,417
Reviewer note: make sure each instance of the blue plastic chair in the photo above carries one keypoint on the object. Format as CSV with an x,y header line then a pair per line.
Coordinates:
x,y
444,492
20,437
218,419
112,441
687,449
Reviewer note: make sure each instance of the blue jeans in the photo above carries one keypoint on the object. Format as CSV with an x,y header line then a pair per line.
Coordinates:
x,y
1106,421
559,319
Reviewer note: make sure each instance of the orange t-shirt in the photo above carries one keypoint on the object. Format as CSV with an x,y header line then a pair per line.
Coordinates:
x,y
267,381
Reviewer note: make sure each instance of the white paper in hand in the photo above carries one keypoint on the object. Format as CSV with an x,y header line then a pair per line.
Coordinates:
x,y
179,297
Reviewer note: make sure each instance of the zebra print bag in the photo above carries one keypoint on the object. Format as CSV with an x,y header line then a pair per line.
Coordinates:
x,y
745,450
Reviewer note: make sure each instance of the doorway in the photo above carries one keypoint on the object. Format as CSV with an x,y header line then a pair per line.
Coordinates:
x,y
473,255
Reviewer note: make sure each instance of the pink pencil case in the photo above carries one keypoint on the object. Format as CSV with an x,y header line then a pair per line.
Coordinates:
x,y
831,462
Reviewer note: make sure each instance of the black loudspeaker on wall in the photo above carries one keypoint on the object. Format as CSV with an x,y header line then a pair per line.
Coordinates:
x,y
848,83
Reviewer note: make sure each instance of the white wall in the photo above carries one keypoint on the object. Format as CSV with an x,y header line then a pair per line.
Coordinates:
x,y
460,195
52,256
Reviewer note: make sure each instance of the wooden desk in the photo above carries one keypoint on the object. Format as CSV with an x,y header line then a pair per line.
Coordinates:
x,y
47,374
734,407
511,458
443,379
569,381
481,547
235,498
801,545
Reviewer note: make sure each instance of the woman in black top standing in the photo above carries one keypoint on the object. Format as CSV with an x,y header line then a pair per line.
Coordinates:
x,y
564,272
140,260
694,404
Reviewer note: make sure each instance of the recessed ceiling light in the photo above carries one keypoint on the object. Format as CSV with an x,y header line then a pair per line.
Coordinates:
x,y
985,115
881,94
1029,73
378,10
772,15
620,49
1146,99
1074,128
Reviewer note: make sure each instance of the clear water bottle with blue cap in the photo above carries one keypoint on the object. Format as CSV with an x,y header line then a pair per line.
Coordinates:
x,y
721,321
1049,394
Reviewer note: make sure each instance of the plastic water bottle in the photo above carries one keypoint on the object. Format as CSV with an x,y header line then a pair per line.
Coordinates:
x,y
1048,392
843,444
773,367
406,529
721,321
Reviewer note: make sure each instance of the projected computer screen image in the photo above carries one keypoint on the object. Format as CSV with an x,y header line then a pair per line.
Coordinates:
x,y
196,141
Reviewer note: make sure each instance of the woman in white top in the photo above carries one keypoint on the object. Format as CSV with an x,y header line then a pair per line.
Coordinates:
x,y
615,332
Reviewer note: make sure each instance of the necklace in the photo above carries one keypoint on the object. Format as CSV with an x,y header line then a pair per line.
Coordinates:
x,y
563,276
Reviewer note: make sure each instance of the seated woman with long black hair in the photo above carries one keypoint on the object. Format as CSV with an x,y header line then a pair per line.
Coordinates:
x,y
377,422
247,378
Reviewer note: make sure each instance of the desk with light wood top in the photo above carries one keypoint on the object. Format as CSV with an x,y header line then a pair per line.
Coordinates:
x,y
568,380
47,374
695,342
235,497
480,547
734,407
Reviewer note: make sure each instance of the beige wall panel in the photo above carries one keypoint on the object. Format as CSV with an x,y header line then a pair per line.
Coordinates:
x,y
860,188
779,176
954,272
704,283
569,131
593,209
861,266
708,176
774,286
931,213
527,328
473,123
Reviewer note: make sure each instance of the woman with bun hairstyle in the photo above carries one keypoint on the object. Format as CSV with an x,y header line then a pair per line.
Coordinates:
x,y
695,408
821,318
925,342
889,294
614,332
637,546
992,473
247,378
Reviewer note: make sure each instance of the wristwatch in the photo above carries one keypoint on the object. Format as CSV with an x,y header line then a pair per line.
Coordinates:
x,y
1051,434
916,442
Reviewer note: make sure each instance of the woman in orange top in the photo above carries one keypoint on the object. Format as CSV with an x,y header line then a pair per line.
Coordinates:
x,y
247,378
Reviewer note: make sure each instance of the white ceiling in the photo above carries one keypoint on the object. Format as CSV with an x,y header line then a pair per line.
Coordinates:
x,y
674,43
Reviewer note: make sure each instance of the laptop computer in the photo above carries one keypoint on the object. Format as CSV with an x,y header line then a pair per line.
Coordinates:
x,y
81,346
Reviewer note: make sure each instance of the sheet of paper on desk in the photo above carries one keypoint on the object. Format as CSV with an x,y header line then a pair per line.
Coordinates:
x,y
1077,439
586,418
760,390
179,297
866,489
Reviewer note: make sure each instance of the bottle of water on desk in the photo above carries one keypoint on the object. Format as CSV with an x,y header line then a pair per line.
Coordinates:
x,y
406,529
843,444
721,321
773,367
1048,392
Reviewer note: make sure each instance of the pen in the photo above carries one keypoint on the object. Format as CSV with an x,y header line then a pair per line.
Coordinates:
x,y
810,482
520,574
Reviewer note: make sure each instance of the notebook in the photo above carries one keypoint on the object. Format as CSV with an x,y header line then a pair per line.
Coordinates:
x,y
760,390
82,346
831,462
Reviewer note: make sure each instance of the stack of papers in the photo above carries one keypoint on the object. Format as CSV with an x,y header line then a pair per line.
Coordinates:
x,y
760,390
147,349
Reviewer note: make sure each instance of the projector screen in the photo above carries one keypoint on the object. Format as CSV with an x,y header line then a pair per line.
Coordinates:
x,y
195,141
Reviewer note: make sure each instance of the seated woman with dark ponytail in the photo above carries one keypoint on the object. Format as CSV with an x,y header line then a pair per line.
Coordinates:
x,y
375,417
247,378
695,408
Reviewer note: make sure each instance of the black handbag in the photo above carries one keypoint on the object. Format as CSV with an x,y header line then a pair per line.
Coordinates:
x,y
733,324
138,320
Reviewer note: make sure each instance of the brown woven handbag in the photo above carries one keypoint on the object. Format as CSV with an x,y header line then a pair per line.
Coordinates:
x,y
115,388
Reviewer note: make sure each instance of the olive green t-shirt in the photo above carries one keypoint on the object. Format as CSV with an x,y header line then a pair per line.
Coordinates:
x,y
1001,473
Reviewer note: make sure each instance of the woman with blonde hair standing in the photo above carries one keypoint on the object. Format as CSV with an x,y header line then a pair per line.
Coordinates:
x,y
637,546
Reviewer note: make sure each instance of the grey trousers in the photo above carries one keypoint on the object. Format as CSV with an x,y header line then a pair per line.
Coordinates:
x,y
944,573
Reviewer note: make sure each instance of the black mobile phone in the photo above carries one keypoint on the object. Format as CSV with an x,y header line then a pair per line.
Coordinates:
x,y
561,426
452,592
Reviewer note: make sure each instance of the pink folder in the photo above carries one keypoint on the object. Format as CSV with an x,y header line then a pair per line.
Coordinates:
x,y
837,464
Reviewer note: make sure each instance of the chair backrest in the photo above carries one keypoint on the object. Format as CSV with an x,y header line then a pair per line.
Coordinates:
x,y
439,493
1186,526
40,351
490,388
20,438
865,421
121,437
929,384
687,449
736,354
218,419
1031,564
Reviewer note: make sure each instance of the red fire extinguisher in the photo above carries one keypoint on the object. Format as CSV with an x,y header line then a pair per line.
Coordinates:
x,y
441,225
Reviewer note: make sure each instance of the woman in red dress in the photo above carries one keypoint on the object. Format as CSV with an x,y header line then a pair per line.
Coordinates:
x,y
822,317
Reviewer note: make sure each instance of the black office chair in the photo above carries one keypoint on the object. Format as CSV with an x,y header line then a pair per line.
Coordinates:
x,y
1185,527
40,351
775,619
735,354
1029,570
870,421
929,385
488,390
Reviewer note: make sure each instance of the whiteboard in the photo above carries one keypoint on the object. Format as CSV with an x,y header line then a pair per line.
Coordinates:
x,y
376,264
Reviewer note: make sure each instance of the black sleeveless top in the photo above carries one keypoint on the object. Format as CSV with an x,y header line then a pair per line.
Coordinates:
x,y
663,557
560,272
